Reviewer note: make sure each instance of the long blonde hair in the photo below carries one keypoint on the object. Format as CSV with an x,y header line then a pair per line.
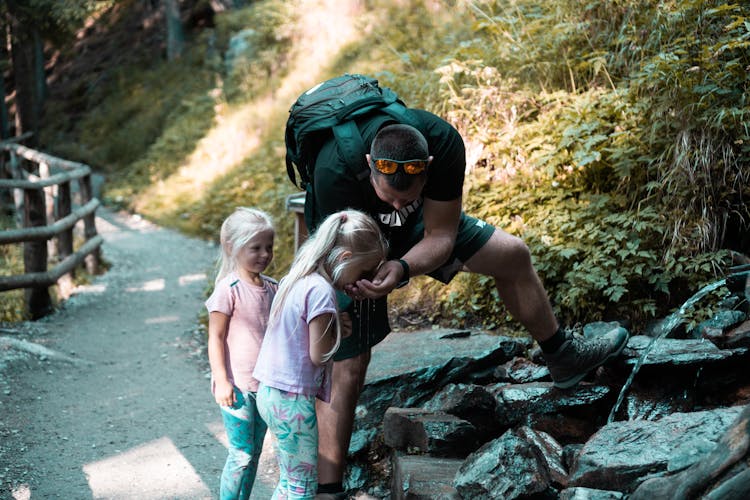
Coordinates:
x,y
240,227
345,231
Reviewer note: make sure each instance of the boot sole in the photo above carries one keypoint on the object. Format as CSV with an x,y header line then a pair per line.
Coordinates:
x,y
570,382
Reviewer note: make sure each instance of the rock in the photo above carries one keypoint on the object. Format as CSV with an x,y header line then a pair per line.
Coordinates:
x,y
424,478
738,336
715,327
589,494
516,402
408,352
437,433
518,464
564,428
623,454
471,402
407,366
710,469
676,352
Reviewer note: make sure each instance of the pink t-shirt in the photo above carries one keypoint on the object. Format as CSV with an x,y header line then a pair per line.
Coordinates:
x,y
284,360
247,306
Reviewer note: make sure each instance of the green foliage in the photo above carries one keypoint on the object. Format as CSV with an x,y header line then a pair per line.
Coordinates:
x,y
12,302
611,136
259,56
56,20
617,169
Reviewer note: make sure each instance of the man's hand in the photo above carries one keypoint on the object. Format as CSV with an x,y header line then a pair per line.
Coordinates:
x,y
388,276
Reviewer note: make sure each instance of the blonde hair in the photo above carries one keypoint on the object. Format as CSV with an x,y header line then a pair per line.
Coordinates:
x,y
237,230
345,231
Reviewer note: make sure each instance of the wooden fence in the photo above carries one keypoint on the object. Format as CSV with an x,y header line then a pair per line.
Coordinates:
x,y
41,189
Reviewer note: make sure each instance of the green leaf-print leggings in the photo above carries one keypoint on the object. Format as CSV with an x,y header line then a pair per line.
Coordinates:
x,y
245,431
291,417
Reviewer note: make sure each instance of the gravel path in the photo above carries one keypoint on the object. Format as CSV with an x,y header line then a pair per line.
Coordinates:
x,y
108,397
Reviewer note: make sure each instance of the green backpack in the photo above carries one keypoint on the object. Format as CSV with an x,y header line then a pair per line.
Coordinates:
x,y
330,108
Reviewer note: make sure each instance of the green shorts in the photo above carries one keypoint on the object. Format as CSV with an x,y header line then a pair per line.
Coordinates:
x,y
370,317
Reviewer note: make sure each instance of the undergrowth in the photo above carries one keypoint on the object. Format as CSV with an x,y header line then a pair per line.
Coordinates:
x,y
610,136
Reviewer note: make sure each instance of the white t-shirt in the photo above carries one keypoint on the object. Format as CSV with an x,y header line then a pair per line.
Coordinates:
x,y
284,360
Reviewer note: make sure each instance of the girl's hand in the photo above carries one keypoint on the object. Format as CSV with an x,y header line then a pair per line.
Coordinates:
x,y
224,393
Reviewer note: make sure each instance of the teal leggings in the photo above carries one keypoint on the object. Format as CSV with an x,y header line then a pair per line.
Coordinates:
x,y
291,417
245,432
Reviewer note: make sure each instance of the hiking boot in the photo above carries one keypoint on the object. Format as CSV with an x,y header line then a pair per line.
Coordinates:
x,y
577,356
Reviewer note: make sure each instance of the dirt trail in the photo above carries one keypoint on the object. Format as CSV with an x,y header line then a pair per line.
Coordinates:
x,y
120,407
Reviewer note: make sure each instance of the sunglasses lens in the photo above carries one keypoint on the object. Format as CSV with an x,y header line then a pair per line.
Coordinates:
x,y
386,166
414,167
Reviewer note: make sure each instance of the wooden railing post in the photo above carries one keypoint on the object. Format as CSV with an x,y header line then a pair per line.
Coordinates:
x,y
18,196
38,299
89,224
42,194
64,238
6,195
49,207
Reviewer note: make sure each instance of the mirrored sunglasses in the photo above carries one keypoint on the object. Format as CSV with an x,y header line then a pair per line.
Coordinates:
x,y
411,167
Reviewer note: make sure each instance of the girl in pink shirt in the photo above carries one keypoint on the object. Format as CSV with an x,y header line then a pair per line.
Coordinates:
x,y
294,365
238,314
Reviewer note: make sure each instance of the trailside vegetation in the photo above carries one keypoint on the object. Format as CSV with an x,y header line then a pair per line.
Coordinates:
x,y
611,136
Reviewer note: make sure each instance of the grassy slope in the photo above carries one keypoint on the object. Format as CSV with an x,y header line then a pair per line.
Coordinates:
x,y
558,144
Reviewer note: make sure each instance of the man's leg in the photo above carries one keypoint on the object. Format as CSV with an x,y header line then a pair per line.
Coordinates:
x,y
507,259
336,419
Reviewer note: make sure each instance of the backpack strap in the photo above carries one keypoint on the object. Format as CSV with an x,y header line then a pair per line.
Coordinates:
x,y
351,144
401,114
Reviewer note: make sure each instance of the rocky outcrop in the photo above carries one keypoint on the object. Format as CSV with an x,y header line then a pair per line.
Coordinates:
x,y
468,414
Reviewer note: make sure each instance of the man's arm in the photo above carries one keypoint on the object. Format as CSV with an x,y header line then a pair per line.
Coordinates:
x,y
440,228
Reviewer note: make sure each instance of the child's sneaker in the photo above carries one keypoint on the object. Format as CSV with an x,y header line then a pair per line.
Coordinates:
x,y
577,356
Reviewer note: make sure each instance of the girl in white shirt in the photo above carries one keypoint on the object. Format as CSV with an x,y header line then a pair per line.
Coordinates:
x,y
294,365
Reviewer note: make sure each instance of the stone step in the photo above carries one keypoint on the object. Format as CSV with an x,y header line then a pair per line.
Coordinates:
x,y
420,477
433,432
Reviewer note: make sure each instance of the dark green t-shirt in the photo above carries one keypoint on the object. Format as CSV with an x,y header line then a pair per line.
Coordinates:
x,y
336,186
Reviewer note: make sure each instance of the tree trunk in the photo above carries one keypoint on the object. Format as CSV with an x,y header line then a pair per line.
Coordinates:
x,y
175,33
40,77
23,49
4,65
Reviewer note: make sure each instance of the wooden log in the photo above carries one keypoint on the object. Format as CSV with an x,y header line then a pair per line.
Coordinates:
x,y
38,300
39,157
46,232
63,210
33,182
64,238
89,224
50,277
15,173
49,209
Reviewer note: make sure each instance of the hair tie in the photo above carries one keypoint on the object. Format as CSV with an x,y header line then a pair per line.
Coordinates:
x,y
343,218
